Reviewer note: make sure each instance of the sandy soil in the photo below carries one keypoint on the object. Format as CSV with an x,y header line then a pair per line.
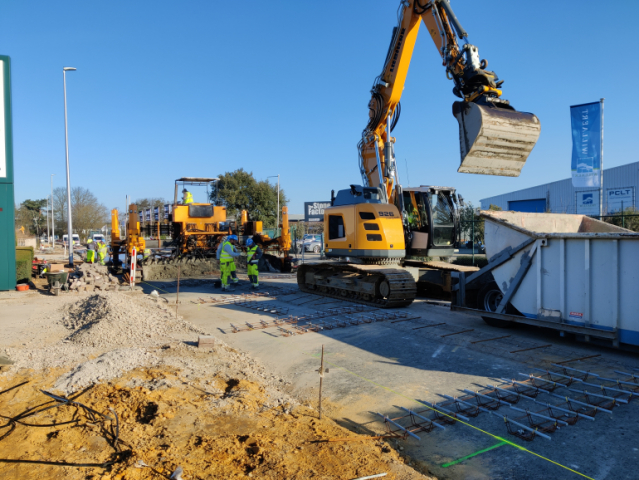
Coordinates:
x,y
213,412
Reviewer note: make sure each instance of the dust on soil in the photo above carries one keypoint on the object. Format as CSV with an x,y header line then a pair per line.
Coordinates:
x,y
215,412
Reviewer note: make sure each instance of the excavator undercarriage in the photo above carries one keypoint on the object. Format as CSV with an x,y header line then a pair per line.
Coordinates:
x,y
378,286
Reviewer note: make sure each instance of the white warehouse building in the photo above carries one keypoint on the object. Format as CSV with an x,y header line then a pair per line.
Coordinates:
x,y
619,192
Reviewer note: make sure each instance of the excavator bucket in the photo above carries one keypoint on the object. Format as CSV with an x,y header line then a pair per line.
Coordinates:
x,y
494,140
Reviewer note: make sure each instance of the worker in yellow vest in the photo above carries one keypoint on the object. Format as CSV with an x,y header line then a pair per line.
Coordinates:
x,y
227,266
187,197
102,252
90,251
254,253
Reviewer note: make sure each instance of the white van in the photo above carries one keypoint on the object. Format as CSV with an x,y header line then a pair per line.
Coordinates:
x,y
76,239
97,237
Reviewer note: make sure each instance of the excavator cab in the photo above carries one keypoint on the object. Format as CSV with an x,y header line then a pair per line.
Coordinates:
x,y
432,221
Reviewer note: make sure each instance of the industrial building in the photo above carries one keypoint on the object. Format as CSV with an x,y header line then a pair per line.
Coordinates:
x,y
619,193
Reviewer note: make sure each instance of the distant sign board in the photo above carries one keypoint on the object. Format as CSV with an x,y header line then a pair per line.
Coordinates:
x,y
314,211
619,199
588,202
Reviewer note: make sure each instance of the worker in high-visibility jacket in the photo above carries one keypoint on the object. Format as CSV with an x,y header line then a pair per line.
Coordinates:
x,y
227,266
147,253
187,197
253,255
102,252
90,251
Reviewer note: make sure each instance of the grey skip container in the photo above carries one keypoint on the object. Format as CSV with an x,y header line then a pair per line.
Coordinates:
x,y
583,272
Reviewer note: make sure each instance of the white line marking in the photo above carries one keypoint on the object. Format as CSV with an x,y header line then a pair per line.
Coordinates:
x,y
438,351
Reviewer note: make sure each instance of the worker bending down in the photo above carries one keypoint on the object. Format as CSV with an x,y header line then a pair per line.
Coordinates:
x,y
90,251
102,252
227,253
187,197
254,253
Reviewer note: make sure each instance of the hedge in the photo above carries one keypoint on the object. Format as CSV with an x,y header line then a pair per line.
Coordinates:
x,y
24,261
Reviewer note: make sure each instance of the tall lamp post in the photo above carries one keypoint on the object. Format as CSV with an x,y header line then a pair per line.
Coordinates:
x,y
52,220
66,144
277,225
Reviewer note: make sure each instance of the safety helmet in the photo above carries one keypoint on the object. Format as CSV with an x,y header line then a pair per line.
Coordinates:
x,y
232,237
249,242
185,191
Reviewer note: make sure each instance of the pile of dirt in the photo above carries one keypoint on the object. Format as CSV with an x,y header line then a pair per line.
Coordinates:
x,y
152,422
102,322
190,268
112,320
106,367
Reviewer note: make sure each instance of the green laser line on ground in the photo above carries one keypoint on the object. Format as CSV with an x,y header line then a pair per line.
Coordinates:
x,y
459,460
512,444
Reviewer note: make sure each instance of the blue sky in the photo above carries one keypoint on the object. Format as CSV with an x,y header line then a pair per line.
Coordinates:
x,y
166,89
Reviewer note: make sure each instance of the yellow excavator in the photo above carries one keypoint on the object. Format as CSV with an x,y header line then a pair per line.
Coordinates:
x,y
385,236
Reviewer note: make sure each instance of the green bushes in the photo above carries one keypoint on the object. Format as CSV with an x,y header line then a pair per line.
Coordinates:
x,y
24,261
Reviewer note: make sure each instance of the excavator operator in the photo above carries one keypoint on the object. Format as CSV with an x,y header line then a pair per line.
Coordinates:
x,y
187,197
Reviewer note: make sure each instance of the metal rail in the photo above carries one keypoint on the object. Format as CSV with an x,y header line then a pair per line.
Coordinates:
x,y
505,418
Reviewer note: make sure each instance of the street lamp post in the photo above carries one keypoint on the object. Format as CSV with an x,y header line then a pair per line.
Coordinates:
x,y
52,218
277,225
48,232
66,144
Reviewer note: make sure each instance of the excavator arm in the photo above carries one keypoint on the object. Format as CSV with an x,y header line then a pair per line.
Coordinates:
x,y
495,139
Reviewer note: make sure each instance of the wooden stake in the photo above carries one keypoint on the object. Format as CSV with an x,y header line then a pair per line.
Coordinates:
x,y
177,299
321,378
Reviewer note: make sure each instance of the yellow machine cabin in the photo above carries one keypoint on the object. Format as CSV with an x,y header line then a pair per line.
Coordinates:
x,y
360,225
197,227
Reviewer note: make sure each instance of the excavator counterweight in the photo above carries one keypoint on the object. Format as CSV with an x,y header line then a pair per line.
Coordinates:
x,y
494,140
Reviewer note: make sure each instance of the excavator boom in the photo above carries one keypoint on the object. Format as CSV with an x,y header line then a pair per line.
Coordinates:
x,y
494,138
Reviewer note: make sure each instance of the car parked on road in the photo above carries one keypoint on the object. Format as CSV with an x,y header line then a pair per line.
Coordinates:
x,y
310,243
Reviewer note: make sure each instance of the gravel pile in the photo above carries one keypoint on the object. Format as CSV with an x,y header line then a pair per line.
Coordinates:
x,y
106,367
112,320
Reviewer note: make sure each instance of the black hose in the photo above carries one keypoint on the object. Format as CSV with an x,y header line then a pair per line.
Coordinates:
x,y
398,112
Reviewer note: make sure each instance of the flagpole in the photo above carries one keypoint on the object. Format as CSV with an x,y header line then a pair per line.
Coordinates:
x,y
601,167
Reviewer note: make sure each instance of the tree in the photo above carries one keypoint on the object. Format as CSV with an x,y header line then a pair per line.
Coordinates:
x,y
471,224
87,212
628,219
239,191
29,215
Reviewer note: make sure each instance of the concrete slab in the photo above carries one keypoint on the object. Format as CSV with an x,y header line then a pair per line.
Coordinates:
x,y
375,367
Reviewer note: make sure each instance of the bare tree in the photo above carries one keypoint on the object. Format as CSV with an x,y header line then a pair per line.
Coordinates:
x,y
88,213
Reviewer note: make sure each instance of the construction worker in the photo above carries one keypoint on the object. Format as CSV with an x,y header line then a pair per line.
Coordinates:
x,y
90,251
413,218
254,253
227,265
147,253
102,252
187,197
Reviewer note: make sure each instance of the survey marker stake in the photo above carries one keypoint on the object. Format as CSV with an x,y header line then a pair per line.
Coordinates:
x,y
321,373
177,298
